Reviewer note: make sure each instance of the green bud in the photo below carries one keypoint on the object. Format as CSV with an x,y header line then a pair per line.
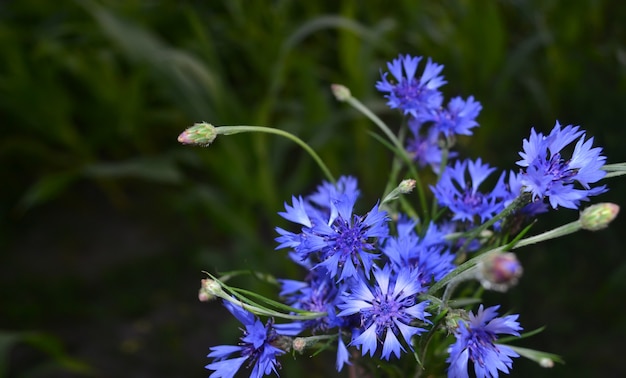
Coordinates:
x,y
598,216
200,134
341,92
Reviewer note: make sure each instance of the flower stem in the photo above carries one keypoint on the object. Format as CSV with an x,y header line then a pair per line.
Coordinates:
x,y
229,130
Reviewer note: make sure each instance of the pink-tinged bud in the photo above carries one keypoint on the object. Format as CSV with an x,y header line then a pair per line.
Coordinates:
x,y
208,290
200,134
500,272
299,344
598,216
341,92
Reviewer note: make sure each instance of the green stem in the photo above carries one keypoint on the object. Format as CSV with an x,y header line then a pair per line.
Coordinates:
x,y
229,130
355,103
563,230
566,229
517,204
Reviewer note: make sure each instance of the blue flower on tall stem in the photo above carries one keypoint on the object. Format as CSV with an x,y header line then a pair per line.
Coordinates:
x,y
547,174
475,342
256,347
409,93
461,195
387,309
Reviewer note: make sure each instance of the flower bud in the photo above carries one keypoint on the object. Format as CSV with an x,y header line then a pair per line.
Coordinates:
x,y
341,92
598,216
406,186
500,272
208,290
200,134
299,344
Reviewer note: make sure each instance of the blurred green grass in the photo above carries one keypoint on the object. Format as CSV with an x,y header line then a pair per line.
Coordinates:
x,y
97,196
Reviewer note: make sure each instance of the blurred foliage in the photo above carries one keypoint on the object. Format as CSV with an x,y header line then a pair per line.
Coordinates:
x,y
93,95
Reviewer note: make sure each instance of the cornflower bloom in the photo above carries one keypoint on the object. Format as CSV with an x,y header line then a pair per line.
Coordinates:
x,y
341,242
475,341
547,174
458,118
257,347
318,293
409,93
428,254
387,308
424,146
461,195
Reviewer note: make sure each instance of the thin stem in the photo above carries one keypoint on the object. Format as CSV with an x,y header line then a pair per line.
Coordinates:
x,y
400,151
229,130
563,230
517,204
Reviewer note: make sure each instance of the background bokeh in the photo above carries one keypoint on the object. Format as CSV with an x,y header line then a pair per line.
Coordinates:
x,y
107,222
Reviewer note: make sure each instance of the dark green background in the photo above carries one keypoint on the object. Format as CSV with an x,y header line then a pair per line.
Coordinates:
x,y
107,222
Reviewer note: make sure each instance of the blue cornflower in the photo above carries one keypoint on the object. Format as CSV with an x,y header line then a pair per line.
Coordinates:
x,y
461,195
424,146
475,342
256,347
318,293
429,254
457,119
409,93
387,308
332,237
547,174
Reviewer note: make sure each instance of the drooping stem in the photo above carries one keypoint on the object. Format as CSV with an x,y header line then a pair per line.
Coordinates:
x,y
229,130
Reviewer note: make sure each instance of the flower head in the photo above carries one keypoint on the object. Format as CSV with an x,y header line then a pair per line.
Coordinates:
x,y
387,308
461,195
456,119
475,342
256,347
546,174
425,146
333,238
428,254
409,93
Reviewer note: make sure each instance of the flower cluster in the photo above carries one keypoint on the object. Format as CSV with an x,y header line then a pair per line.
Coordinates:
x,y
380,282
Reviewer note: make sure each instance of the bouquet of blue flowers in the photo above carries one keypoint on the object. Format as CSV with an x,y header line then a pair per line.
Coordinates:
x,y
403,281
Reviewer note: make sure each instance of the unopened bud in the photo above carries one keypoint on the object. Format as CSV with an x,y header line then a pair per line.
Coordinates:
x,y
546,362
406,186
208,290
341,92
500,272
200,134
598,216
299,344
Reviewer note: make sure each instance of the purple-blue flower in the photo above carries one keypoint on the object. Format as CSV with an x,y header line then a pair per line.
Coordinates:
x,y
475,342
332,237
318,293
256,347
408,92
387,309
458,118
461,195
428,254
424,146
565,182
